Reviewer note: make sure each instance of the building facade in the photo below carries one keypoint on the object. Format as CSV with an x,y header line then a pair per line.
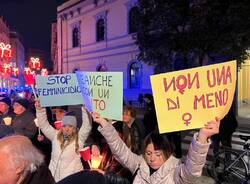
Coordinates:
x,y
54,51
100,36
18,57
11,57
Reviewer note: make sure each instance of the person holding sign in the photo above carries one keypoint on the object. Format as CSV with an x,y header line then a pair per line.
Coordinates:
x,y
66,142
157,165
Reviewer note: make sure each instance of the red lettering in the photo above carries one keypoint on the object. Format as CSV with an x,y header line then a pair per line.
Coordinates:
x,y
197,100
166,86
173,104
228,74
195,79
186,117
220,75
218,99
209,100
181,83
225,96
213,82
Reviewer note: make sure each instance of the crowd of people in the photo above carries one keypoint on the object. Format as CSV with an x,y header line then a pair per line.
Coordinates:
x,y
33,149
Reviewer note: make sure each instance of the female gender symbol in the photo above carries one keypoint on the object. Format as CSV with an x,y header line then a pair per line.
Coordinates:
x,y
186,117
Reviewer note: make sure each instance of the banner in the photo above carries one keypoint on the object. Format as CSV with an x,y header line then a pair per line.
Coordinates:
x,y
102,92
57,90
187,99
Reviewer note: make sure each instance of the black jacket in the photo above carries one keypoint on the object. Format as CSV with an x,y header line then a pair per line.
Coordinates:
x,y
136,136
10,113
41,176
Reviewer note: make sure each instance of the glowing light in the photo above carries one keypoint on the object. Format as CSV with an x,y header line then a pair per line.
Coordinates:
x,y
96,161
6,50
27,70
21,95
15,71
35,63
7,68
29,76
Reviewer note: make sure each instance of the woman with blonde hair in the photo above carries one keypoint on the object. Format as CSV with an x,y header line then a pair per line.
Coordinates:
x,y
66,142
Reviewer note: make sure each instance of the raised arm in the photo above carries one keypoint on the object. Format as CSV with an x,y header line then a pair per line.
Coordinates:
x,y
43,123
188,172
85,128
119,149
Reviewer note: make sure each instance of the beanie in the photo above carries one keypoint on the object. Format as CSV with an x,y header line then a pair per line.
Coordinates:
x,y
69,120
6,130
23,102
6,100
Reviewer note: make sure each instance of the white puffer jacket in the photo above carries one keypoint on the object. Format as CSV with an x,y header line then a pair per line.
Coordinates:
x,y
66,162
171,172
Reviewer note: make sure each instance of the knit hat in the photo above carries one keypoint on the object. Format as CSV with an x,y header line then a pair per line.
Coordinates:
x,y
6,100
6,130
23,102
69,120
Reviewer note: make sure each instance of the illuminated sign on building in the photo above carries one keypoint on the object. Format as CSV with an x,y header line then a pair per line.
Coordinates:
x,y
5,50
34,63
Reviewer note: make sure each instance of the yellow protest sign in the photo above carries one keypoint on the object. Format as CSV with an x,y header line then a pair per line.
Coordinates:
x,y
187,99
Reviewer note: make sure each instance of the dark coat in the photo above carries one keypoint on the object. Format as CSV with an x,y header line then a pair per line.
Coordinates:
x,y
24,124
149,119
10,113
86,177
41,176
135,132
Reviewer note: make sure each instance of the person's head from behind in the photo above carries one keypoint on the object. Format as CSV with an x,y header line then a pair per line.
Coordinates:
x,y
18,158
129,114
157,150
93,177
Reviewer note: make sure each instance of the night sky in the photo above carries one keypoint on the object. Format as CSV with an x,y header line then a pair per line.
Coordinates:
x,y
32,19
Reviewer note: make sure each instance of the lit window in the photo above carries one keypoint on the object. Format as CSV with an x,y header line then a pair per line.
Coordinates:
x,y
135,75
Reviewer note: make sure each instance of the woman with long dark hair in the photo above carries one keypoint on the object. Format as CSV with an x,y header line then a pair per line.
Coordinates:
x,y
158,165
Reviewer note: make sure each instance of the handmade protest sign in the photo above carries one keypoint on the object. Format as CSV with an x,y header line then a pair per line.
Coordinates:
x,y
102,92
187,99
56,90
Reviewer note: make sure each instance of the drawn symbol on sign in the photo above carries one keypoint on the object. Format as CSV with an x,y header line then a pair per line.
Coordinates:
x,y
186,117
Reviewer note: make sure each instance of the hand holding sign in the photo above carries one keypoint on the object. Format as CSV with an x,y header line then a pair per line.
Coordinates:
x,y
188,98
102,92
209,129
